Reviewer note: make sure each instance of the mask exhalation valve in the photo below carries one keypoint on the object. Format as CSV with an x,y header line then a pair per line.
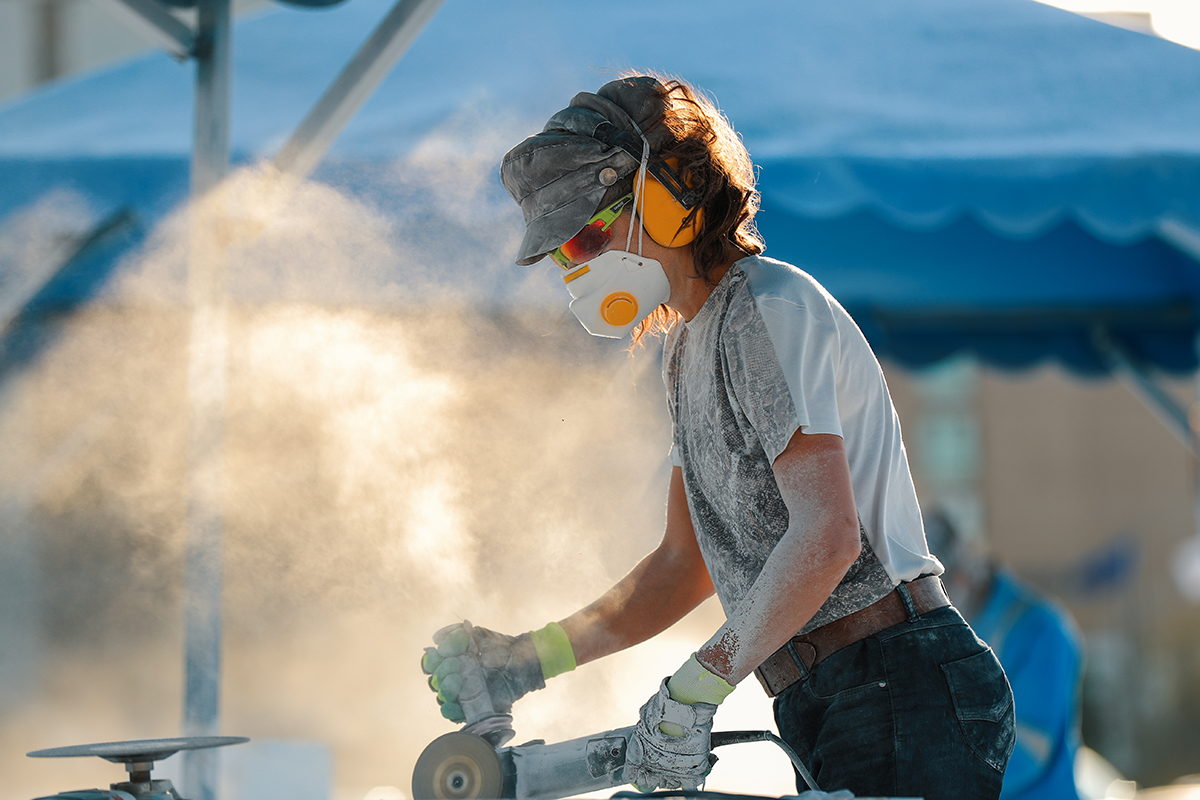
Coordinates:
x,y
619,309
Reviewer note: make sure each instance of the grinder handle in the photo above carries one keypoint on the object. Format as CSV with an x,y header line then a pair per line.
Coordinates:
x,y
473,697
721,738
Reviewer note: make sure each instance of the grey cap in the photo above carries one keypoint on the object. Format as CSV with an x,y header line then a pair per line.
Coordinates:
x,y
560,175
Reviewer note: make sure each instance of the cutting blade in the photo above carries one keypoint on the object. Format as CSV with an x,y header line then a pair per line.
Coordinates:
x,y
458,766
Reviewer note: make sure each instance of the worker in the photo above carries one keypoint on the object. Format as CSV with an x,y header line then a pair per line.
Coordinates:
x,y
1040,649
789,496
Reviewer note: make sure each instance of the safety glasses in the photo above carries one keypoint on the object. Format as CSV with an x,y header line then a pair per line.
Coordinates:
x,y
595,236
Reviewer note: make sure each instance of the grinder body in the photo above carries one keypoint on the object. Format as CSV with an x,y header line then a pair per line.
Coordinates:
x,y
546,771
463,766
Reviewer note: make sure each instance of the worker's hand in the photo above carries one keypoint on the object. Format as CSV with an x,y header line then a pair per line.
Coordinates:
x,y
512,666
670,745
655,758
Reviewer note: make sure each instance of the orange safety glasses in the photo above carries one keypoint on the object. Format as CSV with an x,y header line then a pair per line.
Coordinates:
x,y
595,236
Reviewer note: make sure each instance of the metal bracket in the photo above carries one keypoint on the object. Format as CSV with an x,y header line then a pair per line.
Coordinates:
x,y
152,18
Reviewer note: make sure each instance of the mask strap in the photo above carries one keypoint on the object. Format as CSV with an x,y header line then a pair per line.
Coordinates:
x,y
639,186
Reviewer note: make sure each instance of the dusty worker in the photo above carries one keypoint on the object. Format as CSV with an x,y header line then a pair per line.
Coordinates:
x,y
790,494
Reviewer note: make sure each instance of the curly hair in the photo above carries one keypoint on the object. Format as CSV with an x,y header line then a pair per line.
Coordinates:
x,y
711,157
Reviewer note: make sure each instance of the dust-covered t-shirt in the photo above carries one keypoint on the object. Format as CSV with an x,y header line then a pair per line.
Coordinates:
x,y
771,352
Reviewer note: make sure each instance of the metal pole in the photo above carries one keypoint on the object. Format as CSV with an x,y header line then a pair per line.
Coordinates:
x,y
21,288
370,65
1169,412
1185,238
206,394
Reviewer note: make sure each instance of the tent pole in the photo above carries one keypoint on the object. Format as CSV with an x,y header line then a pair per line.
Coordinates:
x,y
206,396
1135,378
1182,237
341,101
25,287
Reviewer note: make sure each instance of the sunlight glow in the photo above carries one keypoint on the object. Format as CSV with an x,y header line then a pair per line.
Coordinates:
x,y
1177,20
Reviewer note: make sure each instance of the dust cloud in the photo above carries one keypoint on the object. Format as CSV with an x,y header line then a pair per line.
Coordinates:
x,y
412,435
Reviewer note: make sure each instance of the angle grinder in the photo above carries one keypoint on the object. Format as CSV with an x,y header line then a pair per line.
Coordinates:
x,y
465,766
474,764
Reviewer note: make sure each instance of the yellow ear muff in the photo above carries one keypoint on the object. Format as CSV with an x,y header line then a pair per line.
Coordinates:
x,y
663,215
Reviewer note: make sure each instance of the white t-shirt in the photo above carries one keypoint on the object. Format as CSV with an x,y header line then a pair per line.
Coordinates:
x,y
771,352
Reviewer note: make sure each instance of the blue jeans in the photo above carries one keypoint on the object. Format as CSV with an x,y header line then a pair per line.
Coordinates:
x,y
921,709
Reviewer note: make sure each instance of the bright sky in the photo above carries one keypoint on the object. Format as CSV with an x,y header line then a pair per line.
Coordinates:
x,y
1177,20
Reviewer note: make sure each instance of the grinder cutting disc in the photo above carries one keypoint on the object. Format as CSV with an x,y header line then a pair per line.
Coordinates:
x,y
458,766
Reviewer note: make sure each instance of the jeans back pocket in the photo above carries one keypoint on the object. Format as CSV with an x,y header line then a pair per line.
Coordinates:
x,y
983,703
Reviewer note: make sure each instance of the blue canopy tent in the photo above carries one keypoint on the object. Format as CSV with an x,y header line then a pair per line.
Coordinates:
x,y
997,176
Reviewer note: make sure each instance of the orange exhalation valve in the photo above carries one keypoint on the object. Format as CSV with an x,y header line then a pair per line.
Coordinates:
x,y
619,309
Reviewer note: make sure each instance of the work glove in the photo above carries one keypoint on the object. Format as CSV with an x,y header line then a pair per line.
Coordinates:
x,y
670,745
512,666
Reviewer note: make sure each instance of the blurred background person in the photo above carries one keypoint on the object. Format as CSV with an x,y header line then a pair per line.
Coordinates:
x,y
1040,649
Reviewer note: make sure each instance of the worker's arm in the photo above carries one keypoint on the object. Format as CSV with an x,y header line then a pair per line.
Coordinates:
x,y
657,593
671,741
660,590
821,543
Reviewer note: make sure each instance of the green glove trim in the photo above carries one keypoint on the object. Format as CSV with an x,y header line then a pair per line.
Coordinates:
x,y
694,684
554,650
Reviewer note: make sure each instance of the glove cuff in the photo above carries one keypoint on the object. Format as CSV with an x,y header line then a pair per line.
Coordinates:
x,y
693,683
554,650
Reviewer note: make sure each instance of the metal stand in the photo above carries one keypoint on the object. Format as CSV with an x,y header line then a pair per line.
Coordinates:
x,y
139,757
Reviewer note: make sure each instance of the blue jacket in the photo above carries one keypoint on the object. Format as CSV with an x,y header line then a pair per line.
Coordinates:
x,y
1040,650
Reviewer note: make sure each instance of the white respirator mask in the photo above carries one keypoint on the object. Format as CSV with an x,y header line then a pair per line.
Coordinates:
x,y
615,291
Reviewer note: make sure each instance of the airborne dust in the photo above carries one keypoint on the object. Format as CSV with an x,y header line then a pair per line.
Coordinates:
x,y
413,433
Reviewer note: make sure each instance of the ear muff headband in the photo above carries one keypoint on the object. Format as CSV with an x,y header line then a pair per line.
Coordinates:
x,y
662,171
667,198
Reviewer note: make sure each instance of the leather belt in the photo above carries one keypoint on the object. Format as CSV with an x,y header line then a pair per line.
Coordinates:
x,y
780,670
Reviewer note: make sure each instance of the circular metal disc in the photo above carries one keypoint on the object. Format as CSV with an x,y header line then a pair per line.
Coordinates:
x,y
458,766
140,749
